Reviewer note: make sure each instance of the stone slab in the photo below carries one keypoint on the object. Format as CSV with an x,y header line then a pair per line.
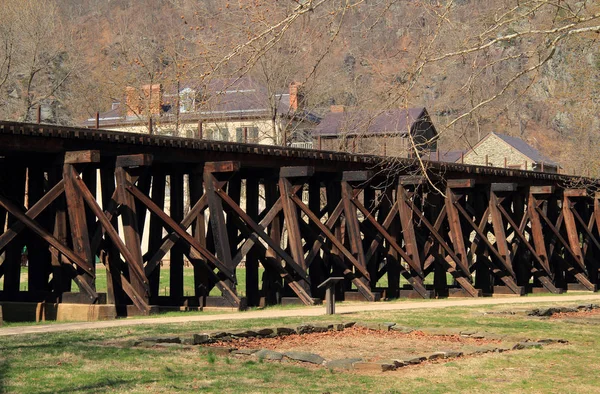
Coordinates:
x,y
374,367
266,354
344,363
80,312
305,357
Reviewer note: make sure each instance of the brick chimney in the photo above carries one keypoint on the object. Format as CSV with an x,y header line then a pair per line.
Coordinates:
x,y
150,95
296,96
337,109
153,98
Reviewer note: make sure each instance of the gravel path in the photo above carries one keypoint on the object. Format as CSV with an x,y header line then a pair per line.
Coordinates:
x,y
300,312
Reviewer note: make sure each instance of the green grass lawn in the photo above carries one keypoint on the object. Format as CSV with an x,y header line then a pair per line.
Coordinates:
x,y
77,361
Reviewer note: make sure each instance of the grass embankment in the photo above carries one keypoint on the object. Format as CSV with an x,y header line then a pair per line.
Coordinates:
x,y
79,362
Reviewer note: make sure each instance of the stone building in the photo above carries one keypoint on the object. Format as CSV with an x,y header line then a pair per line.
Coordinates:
x,y
234,110
499,150
385,133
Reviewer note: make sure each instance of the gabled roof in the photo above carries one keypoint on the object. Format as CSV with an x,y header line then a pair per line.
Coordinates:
x,y
451,156
523,147
224,98
398,121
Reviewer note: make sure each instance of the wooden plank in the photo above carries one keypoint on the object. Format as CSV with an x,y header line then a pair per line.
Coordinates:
x,y
572,233
176,283
202,278
503,187
222,166
296,172
82,156
408,230
541,189
13,187
252,258
353,227
575,193
217,221
130,230
411,180
139,160
357,176
291,216
460,183
456,233
78,223
38,252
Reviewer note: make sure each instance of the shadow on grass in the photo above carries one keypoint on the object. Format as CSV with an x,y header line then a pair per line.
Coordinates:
x,y
101,386
3,372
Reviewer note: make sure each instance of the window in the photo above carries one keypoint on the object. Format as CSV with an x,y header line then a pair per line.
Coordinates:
x,y
218,134
252,134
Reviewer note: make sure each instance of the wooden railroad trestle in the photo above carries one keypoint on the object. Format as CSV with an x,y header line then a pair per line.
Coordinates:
x,y
303,220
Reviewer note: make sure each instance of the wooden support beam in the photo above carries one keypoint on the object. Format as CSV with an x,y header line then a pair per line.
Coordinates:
x,y
503,187
408,230
460,183
541,190
411,180
78,224
357,176
82,156
296,172
222,166
139,160
456,233
575,193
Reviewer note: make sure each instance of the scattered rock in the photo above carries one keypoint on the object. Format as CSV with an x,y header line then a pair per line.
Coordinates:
x,y
305,329
285,331
527,345
219,334
245,352
436,356
321,328
200,339
452,353
265,332
399,363
162,339
379,367
349,324
344,363
415,360
305,357
402,329
243,334
266,354
371,326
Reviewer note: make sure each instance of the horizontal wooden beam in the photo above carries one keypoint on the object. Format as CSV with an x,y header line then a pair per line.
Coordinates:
x,y
141,160
82,156
575,193
357,176
503,187
460,183
541,189
411,180
296,172
222,166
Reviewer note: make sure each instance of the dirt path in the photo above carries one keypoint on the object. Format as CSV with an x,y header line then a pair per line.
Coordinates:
x,y
300,312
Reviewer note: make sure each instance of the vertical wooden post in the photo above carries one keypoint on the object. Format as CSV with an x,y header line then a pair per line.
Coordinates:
x,y
319,143
201,276
14,187
272,283
39,254
78,223
97,120
176,269
130,229
252,277
245,135
353,227
200,136
111,256
487,163
456,233
462,158
39,114
505,164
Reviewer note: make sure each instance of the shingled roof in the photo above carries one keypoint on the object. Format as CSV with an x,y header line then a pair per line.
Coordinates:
x,y
536,156
397,121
